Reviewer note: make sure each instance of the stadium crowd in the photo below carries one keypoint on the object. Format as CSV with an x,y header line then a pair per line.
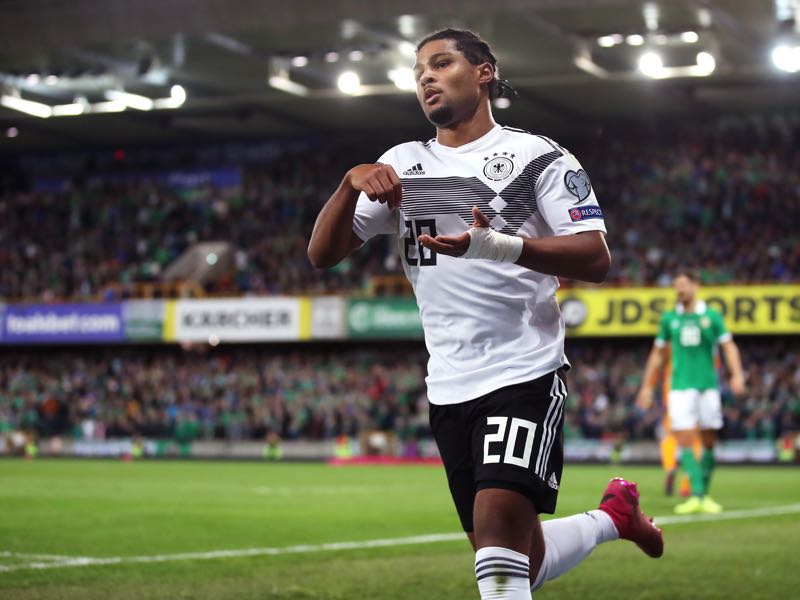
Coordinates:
x,y
721,197
243,393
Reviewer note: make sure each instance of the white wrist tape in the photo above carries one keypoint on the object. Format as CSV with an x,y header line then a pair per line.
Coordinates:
x,y
487,243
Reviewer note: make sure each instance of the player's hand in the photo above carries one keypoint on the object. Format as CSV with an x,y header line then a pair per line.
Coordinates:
x,y
454,245
737,385
644,399
378,181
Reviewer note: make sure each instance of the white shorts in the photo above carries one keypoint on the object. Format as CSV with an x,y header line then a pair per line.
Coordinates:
x,y
690,409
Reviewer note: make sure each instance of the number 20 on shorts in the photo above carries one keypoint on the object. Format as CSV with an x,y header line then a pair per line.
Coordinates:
x,y
513,431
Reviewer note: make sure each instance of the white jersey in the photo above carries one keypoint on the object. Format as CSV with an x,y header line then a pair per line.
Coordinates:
x,y
487,324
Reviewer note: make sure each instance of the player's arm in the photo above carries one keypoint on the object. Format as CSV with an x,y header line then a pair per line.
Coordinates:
x,y
577,249
655,361
583,255
733,360
333,237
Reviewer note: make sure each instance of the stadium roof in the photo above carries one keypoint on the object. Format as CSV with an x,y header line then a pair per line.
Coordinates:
x,y
255,68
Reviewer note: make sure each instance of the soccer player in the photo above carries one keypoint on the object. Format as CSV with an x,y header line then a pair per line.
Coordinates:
x,y
693,331
485,218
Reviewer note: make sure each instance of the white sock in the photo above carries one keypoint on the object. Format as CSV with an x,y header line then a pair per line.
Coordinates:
x,y
569,540
502,574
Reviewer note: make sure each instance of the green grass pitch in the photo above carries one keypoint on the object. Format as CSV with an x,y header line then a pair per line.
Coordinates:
x,y
53,511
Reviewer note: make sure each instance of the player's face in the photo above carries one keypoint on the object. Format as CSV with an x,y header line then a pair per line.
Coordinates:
x,y
448,85
685,289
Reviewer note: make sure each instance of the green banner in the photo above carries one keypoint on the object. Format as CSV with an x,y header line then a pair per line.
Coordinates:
x,y
388,318
144,320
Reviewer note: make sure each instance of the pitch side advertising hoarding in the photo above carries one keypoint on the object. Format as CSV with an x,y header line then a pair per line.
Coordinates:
x,y
144,320
754,309
386,318
62,323
328,318
238,320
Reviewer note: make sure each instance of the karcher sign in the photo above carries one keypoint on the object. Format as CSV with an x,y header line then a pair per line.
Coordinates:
x,y
756,309
238,320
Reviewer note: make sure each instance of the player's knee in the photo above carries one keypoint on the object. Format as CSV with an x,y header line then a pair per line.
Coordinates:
x,y
503,518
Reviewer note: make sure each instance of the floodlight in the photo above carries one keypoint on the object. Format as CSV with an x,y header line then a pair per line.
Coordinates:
x,y
706,63
349,83
69,110
403,78
651,64
37,109
131,100
786,58
689,37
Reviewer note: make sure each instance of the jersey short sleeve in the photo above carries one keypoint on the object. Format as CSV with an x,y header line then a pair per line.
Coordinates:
x,y
662,337
566,200
721,333
374,218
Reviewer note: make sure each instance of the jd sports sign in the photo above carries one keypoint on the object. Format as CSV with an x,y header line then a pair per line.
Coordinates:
x,y
755,309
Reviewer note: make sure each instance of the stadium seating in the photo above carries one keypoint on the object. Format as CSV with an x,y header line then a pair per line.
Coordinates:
x,y
241,393
709,197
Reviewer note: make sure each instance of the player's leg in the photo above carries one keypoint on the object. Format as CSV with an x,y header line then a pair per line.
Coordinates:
x,y
504,524
560,545
708,461
691,466
451,432
684,407
526,481
502,572
570,540
710,423
516,445
669,450
669,460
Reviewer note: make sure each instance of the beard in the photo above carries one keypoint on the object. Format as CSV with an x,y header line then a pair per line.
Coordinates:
x,y
441,116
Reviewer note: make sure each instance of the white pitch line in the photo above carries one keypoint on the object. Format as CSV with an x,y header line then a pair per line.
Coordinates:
x,y
298,549
85,561
729,515
37,556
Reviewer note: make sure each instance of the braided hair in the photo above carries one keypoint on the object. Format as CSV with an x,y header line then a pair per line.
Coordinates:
x,y
477,52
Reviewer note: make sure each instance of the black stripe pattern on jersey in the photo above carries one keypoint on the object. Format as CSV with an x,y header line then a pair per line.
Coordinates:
x,y
507,209
446,196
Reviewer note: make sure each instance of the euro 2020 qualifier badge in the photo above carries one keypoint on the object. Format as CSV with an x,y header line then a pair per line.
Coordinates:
x,y
578,184
498,168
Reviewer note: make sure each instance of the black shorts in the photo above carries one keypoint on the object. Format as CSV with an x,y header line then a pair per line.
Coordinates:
x,y
510,438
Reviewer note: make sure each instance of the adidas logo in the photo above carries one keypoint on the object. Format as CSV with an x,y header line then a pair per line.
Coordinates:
x,y
553,482
415,170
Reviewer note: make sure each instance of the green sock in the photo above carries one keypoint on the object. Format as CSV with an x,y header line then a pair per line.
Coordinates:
x,y
707,464
691,467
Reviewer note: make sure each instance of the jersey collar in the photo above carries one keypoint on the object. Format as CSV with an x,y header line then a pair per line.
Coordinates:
x,y
485,140
699,308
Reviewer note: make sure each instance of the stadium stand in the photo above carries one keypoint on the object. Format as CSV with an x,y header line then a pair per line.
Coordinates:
x,y
725,188
242,393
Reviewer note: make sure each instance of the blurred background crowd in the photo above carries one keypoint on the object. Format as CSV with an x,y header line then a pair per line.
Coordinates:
x,y
723,197
244,393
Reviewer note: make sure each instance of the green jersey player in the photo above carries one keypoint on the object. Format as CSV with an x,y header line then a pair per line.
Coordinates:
x,y
693,330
